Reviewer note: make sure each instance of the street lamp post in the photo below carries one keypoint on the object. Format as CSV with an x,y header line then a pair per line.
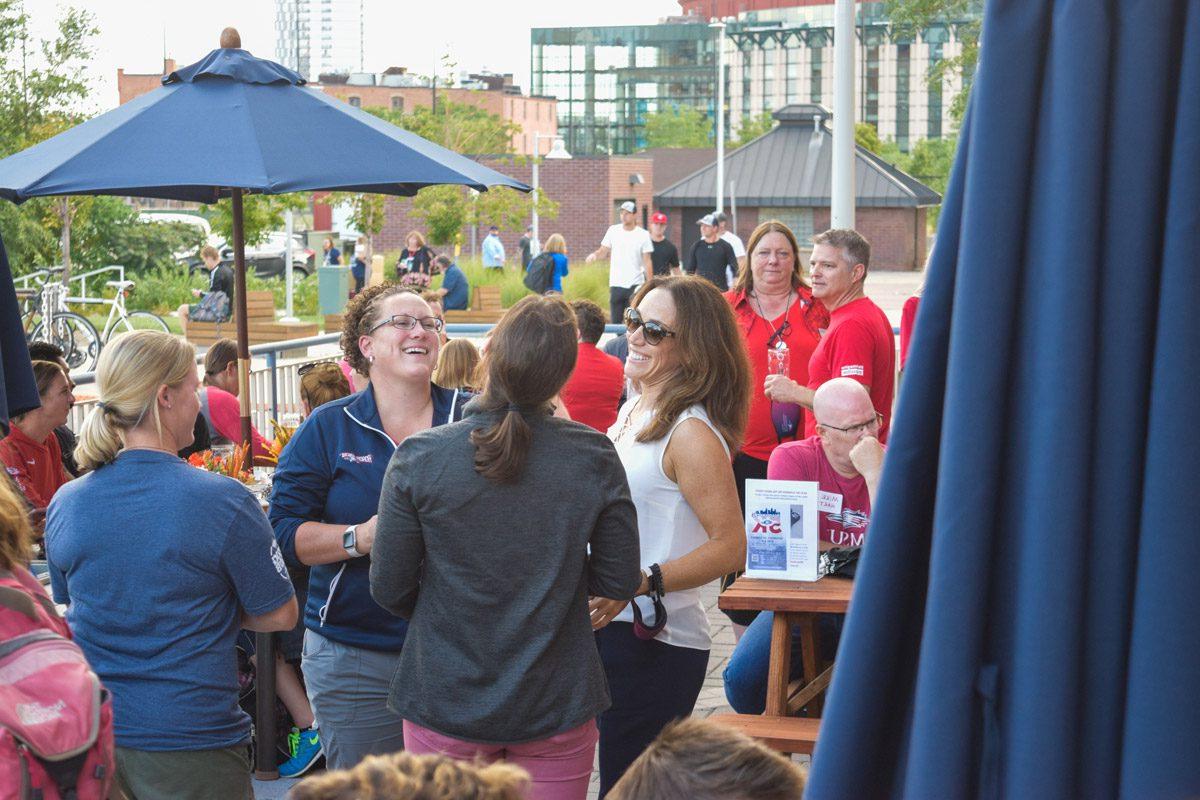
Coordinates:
x,y
842,190
720,111
557,151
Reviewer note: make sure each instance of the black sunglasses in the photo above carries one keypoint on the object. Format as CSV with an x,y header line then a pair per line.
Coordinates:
x,y
782,331
304,369
653,332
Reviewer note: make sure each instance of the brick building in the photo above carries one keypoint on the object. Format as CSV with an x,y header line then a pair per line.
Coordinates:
x,y
588,190
786,174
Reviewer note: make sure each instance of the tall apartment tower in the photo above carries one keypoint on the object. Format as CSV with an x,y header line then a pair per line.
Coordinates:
x,y
319,36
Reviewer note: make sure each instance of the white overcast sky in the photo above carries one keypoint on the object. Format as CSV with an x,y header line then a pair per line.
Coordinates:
x,y
478,34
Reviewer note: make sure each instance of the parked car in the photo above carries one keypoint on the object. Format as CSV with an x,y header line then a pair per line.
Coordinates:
x,y
267,257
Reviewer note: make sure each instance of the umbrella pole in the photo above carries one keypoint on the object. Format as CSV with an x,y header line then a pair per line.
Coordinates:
x,y
243,330
265,765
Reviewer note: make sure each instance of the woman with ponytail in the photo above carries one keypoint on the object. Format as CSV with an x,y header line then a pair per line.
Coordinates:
x,y
161,638
492,533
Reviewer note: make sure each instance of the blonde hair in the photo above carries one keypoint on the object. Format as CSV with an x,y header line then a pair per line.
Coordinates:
x,y
16,535
420,239
556,244
457,364
404,776
323,383
130,372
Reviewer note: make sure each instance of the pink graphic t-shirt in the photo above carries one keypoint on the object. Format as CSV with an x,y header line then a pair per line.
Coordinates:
x,y
844,505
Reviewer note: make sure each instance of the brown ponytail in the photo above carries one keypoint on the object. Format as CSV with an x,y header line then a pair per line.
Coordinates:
x,y
529,358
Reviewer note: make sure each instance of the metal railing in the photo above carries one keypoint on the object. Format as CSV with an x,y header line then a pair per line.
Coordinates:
x,y
27,282
274,386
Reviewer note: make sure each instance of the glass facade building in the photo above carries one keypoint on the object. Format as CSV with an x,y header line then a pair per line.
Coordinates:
x,y
607,79
319,36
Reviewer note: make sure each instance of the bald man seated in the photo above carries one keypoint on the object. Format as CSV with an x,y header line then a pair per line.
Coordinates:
x,y
845,458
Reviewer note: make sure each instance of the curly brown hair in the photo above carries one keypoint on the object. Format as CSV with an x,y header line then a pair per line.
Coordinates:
x,y
362,314
404,776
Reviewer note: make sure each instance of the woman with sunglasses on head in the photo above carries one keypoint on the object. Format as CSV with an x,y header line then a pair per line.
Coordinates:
x,y
781,324
324,500
675,436
492,533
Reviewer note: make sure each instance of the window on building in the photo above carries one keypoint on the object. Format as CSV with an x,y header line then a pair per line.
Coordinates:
x,y
800,220
397,103
935,94
816,79
870,111
903,68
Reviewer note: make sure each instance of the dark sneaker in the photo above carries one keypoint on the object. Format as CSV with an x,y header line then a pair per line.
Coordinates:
x,y
306,753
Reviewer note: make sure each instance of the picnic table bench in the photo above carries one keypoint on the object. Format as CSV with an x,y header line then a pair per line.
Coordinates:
x,y
260,320
795,604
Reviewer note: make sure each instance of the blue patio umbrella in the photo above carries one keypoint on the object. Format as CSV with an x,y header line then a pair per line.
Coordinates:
x,y
1025,619
229,125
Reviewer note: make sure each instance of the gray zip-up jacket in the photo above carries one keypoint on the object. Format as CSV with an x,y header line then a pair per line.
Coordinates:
x,y
495,579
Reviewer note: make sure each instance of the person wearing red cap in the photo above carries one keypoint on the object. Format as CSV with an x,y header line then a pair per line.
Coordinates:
x,y
665,258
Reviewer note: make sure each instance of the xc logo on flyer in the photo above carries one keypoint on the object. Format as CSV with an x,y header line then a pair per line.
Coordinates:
x,y
766,520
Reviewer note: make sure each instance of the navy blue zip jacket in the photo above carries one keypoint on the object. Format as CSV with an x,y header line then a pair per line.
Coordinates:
x,y
332,471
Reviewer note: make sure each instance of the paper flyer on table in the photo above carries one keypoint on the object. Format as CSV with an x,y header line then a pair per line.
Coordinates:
x,y
781,530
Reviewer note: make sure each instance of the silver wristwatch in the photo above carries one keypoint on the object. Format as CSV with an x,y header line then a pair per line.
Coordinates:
x,y
350,541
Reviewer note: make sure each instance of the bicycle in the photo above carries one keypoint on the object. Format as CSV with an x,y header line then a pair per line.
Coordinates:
x,y
132,320
71,332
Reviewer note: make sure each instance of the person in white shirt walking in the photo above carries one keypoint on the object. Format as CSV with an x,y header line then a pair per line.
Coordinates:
x,y
630,247
735,241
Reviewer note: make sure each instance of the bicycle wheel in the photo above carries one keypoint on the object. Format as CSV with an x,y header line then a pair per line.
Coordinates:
x,y
138,321
75,335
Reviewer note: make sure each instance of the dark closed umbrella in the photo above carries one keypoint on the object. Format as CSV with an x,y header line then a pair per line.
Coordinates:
x,y
1025,617
16,372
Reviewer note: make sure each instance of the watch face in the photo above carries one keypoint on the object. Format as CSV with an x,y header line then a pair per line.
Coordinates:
x,y
349,539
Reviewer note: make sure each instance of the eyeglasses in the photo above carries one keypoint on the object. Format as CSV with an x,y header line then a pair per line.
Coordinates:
x,y
304,369
873,422
782,331
653,332
406,322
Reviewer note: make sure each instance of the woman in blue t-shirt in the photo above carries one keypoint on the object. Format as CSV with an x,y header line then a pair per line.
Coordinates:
x,y
556,246
162,639
324,499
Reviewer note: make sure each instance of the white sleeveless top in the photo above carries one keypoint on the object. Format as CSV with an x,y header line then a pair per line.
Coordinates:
x,y
667,525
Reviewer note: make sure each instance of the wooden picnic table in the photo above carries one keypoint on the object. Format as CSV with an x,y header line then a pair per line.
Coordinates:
x,y
795,604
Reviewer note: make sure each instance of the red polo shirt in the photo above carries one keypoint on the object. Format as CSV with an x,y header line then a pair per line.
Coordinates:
x,y
805,320
35,466
860,345
593,392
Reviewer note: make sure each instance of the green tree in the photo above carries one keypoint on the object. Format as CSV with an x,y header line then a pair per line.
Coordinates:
x,y
678,126
261,214
752,127
910,17
43,89
867,137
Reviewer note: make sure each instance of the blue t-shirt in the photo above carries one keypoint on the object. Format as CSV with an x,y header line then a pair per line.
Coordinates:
x,y
457,289
560,271
157,560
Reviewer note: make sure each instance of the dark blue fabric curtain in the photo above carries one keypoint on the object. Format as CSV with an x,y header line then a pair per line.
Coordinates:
x,y
1026,622
16,372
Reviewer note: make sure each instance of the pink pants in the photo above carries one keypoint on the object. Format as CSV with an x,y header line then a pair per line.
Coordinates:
x,y
560,766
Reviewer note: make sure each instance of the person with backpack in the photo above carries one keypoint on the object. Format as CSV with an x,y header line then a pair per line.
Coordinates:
x,y
160,565
548,268
215,304
41,668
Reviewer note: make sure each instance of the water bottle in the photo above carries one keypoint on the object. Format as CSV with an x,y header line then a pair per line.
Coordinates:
x,y
784,416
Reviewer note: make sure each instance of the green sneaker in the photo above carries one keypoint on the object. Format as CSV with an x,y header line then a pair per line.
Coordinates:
x,y
306,753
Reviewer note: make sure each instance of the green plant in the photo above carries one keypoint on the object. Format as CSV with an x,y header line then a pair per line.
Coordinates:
x,y
588,281
678,126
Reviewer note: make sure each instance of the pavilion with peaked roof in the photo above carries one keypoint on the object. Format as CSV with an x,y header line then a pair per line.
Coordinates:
x,y
786,174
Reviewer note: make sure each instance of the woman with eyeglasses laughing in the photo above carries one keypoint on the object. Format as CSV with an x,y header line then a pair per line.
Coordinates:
x,y
324,503
675,437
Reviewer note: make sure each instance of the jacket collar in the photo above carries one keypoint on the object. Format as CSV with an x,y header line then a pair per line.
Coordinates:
x,y
365,411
